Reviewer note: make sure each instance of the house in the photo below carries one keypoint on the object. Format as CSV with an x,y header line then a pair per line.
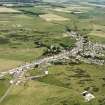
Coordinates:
x,y
88,96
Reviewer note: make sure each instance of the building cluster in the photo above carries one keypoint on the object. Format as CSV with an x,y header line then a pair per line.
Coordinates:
x,y
88,51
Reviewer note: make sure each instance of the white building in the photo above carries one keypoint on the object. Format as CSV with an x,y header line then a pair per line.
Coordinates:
x,y
88,96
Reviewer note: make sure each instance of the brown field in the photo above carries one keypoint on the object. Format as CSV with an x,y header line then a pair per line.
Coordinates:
x,y
7,10
53,17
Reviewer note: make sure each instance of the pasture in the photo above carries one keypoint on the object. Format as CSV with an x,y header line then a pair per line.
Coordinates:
x,y
25,36
98,30
8,64
63,85
8,10
73,9
53,17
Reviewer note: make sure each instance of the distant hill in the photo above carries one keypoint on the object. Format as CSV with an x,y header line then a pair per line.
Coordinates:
x,y
23,1
74,0
27,1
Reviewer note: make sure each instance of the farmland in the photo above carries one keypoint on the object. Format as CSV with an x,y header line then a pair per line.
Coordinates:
x,y
27,34
7,10
52,17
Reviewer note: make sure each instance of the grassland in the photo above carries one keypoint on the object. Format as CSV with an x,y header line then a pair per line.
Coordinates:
x,y
52,17
74,8
8,64
7,10
19,33
63,86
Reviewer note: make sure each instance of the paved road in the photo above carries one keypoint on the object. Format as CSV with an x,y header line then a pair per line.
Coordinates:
x,y
64,54
19,71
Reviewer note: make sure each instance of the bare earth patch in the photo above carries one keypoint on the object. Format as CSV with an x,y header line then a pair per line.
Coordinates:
x,y
7,10
53,17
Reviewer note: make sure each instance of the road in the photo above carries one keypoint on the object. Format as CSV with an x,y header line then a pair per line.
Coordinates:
x,y
19,71
62,55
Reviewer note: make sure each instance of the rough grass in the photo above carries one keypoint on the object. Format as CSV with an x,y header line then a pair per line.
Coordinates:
x,y
63,86
21,54
65,82
7,10
52,17
6,64
99,34
98,30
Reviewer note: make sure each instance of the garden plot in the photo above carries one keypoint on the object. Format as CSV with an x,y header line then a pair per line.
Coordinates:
x,y
53,17
8,10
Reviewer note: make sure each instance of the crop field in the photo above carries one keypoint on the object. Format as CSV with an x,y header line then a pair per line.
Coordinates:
x,y
26,33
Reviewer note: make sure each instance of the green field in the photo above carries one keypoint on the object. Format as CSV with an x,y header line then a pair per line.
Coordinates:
x,y
62,86
20,34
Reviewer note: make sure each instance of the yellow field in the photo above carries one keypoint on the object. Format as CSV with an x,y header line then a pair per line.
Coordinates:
x,y
8,64
53,17
7,10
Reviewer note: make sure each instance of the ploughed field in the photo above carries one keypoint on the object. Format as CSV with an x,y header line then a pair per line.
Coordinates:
x,y
26,33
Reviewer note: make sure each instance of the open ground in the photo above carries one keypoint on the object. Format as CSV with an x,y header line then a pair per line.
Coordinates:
x,y
25,37
8,10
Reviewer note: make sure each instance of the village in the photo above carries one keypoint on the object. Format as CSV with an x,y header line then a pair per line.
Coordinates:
x,y
84,51
52,53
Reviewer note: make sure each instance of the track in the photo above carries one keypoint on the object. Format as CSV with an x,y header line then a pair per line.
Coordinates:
x,y
6,94
62,55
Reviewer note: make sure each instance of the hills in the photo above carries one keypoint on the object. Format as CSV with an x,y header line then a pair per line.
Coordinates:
x,y
23,1
31,1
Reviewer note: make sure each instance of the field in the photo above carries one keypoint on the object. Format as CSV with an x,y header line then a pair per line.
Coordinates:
x,y
25,35
8,64
73,9
98,30
7,10
52,17
64,85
